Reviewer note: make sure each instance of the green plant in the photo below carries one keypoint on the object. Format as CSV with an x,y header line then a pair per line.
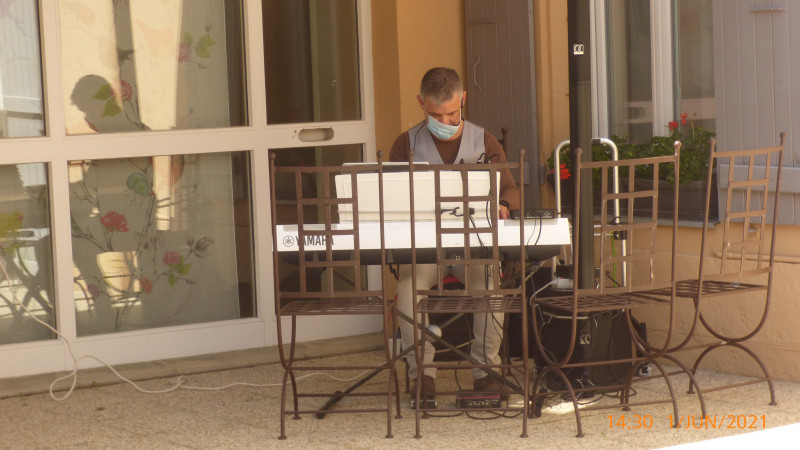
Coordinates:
x,y
695,147
599,153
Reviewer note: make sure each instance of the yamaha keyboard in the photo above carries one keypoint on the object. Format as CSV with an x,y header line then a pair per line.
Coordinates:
x,y
542,239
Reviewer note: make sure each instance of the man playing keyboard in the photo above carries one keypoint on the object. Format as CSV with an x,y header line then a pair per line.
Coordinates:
x,y
444,137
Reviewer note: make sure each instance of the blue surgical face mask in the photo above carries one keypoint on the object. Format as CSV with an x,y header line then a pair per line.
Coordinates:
x,y
440,130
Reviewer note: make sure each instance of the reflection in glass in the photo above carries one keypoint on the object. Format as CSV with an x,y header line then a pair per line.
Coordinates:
x,y
311,58
695,62
151,64
21,106
25,254
630,92
161,241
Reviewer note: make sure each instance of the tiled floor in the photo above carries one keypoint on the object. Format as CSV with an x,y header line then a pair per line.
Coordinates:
x,y
120,416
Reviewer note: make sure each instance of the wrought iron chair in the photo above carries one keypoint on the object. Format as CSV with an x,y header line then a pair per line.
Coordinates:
x,y
645,270
746,253
328,282
468,242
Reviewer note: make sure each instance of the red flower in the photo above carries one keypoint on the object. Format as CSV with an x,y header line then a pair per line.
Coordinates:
x,y
184,52
114,221
563,171
127,90
146,285
94,291
683,118
171,257
672,125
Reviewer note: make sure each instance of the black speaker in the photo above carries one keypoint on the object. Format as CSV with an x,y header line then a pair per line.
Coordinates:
x,y
599,337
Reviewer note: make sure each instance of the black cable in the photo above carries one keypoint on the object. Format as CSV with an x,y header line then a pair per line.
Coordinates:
x,y
455,211
538,236
496,415
438,416
485,159
480,241
613,280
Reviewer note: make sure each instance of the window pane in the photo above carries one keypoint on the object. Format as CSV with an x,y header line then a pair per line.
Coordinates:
x,y
311,53
21,110
161,241
25,253
695,62
629,66
151,64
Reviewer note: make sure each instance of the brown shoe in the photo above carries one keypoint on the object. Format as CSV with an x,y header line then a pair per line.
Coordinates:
x,y
490,385
428,388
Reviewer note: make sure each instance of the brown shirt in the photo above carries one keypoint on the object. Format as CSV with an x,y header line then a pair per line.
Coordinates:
x,y
448,151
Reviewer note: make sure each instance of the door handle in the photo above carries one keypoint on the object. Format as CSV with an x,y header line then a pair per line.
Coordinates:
x,y
475,75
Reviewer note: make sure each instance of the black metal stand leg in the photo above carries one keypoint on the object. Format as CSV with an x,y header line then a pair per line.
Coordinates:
x,y
339,395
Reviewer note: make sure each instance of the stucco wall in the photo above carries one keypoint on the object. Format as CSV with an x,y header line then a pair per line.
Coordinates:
x,y
778,342
552,81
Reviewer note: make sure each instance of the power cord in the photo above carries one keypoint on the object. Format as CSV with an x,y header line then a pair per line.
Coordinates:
x,y
180,382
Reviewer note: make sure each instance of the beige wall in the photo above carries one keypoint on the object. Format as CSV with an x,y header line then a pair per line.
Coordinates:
x,y
411,36
386,73
778,342
422,34
552,81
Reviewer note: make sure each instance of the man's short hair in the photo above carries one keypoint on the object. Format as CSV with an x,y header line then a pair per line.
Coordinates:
x,y
439,84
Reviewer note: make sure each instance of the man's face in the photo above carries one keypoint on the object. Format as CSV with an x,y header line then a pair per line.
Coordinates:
x,y
448,112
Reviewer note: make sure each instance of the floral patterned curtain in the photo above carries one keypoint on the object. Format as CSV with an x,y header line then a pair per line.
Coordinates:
x,y
161,240
146,65
154,241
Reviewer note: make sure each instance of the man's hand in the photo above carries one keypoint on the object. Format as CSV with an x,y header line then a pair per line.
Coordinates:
x,y
503,212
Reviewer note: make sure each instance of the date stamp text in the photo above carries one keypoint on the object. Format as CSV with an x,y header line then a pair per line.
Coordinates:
x,y
696,421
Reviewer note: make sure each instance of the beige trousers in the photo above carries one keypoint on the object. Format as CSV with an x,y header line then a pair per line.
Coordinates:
x,y
487,328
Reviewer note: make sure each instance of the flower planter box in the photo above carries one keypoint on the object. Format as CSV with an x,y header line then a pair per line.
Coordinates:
x,y
691,195
691,200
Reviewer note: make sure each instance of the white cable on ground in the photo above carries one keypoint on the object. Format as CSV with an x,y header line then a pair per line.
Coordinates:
x,y
179,382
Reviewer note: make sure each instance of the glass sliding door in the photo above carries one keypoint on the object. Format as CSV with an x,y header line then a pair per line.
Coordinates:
x,y
139,226
311,52
160,241
26,257
21,105
694,62
630,95
26,279
316,56
152,65
660,66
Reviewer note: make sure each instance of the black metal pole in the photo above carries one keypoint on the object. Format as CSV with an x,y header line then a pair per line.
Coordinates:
x,y
580,126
